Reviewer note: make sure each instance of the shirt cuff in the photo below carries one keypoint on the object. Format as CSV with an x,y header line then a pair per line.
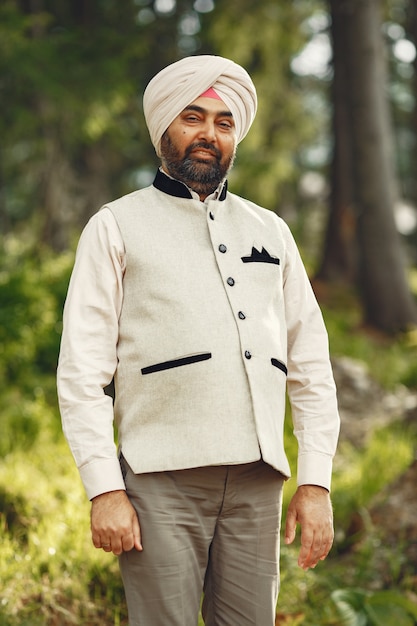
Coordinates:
x,y
101,477
315,469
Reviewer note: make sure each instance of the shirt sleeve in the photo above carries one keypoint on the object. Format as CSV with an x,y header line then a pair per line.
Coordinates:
x,y
311,386
88,357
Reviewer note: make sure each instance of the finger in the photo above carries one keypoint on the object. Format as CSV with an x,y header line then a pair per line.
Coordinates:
x,y
116,544
98,536
137,539
307,551
290,526
319,547
317,553
127,542
304,559
327,545
99,540
132,539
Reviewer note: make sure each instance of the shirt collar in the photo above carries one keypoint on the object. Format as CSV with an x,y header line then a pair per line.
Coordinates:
x,y
174,187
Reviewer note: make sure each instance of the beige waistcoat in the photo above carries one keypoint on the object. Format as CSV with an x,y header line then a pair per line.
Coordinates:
x,y
217,309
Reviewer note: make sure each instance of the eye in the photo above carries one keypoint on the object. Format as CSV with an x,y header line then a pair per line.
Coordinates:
x,y
191,118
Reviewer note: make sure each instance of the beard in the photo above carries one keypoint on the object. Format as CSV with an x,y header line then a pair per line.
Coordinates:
x,y
202,175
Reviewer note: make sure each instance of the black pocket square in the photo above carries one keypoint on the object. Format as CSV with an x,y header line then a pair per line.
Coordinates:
x,y
260,257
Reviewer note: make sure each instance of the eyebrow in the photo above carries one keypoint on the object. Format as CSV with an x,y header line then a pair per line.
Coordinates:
x,y
197,109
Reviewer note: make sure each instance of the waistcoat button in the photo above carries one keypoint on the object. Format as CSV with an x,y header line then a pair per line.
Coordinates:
x,y
230,281
222,248
248,354
241,315
211,215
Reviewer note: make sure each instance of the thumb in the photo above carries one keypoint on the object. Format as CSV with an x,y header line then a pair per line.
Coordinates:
x,y
136,533
290,525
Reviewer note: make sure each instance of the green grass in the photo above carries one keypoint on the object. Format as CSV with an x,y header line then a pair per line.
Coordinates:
x,y
50,572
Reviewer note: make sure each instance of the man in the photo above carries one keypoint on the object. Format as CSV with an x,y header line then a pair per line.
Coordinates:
x,y
196,302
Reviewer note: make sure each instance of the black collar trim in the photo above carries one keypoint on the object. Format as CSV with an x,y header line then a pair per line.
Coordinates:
x,y
176,188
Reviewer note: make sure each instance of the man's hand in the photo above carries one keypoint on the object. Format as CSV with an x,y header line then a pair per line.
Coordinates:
x,y
311,507
114,523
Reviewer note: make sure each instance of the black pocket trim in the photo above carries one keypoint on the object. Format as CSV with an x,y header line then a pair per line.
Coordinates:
x,y
260,257
166,365
280,365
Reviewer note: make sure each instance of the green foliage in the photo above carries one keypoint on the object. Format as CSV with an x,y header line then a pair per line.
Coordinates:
x,y
268,160
32,296
362,472
73,134
32,292
382,608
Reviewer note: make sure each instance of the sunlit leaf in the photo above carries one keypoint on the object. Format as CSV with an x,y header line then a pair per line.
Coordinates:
x,y
349,604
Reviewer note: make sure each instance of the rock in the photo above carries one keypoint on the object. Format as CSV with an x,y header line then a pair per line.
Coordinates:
x,y
364,406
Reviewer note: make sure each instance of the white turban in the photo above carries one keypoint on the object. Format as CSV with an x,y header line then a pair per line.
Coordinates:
x,y
182,82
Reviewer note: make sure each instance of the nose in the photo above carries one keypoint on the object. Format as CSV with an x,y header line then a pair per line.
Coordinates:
x,y
208,131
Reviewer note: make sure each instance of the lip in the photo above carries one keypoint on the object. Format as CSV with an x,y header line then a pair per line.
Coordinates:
x,y
202,152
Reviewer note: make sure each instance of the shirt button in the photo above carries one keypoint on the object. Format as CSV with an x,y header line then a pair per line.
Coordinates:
x,y
211,215
241,315
230,281
222,248
248,355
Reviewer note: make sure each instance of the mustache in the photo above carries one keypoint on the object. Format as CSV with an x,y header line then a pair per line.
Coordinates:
x,y
206,146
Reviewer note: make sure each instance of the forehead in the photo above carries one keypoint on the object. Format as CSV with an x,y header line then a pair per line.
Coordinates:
x,y
211,106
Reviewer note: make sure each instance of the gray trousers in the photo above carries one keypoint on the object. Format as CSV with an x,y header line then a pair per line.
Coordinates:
x,y
211,529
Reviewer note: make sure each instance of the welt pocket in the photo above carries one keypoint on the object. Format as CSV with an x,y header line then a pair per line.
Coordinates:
x,y
270,260
280,365
185,360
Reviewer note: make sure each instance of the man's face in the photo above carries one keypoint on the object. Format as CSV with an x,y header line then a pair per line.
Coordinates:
x,y
199,146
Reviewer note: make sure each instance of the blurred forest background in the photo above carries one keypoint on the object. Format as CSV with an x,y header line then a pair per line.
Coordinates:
x,y
333,150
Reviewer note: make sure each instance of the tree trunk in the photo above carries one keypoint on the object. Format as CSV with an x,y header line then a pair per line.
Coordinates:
x,y
340,250
388,303
412,34
60,195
